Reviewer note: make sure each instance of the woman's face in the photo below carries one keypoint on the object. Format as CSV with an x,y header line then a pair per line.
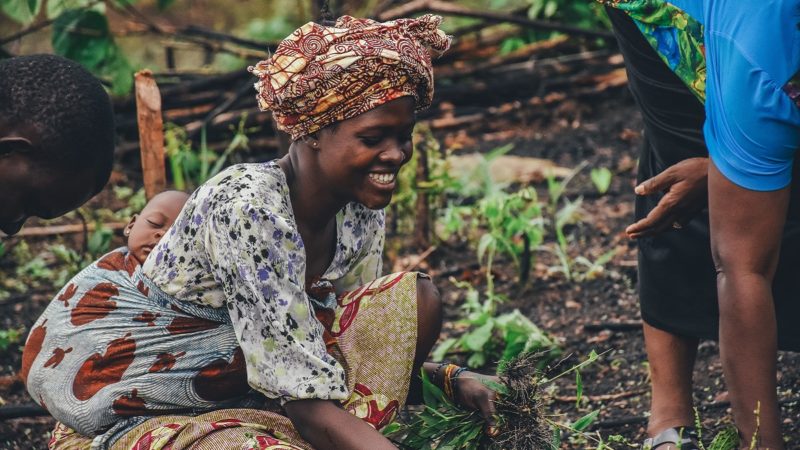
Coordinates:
x,y
360,157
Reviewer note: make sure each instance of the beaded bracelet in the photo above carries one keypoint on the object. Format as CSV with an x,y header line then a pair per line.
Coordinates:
x,y
436,373
455,381
448,380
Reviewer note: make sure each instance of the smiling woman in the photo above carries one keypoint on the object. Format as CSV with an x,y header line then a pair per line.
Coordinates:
x,y
265,297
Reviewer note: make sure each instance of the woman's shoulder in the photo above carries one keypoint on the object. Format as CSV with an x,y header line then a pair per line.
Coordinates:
x,y
251,183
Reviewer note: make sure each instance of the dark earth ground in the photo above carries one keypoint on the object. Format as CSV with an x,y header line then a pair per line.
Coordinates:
x,y
604,130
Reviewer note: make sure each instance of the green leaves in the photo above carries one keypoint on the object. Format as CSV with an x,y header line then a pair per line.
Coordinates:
x,y
584,422
494,338
83,35
56,7
22,11
100,240
164,4
477,339
601,177
9,337
441,425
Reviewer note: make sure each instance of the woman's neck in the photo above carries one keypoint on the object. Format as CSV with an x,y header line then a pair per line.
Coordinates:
x,y
314,205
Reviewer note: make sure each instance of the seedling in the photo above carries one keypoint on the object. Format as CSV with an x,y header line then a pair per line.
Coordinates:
x,y
191,168
520,417
494,337
601,177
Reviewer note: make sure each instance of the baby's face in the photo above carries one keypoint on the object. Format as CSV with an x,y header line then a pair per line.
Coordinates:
x,y
146,229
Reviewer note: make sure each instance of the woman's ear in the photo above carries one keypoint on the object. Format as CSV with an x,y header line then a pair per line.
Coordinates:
x,y
312,140
14,144
129,226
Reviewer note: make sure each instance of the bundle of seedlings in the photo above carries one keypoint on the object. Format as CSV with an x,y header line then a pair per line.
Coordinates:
x,y
521,422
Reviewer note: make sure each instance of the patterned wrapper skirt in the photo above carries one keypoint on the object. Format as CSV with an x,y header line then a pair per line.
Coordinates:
x,y
113,359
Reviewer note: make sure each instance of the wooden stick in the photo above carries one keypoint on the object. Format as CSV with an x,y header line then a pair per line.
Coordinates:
x,y
602,397
65,229
440,7
16,412
420,258
151,133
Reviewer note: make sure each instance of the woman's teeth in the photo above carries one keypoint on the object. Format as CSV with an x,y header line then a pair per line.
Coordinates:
x,y
382,178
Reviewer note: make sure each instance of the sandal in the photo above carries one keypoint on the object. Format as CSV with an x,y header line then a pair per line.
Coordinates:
x,y
683,438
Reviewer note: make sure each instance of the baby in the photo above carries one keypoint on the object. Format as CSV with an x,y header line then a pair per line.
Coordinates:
x,y
74,351
146,228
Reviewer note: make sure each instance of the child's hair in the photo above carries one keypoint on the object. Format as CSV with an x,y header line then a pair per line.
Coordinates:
x,y
67,106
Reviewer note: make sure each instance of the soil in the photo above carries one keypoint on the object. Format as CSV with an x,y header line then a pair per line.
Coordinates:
x,y
603,130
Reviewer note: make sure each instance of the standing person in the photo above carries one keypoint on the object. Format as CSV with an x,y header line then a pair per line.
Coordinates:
x,y
713,82
56,138
261,320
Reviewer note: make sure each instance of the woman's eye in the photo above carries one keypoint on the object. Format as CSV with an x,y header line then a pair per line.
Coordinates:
x,y
371,141
154,224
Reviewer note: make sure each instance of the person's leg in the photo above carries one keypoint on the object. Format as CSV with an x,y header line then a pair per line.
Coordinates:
x,y
673,120
671,360
429,325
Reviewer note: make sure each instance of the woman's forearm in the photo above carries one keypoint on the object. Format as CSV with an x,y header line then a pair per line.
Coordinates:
x,y
326,426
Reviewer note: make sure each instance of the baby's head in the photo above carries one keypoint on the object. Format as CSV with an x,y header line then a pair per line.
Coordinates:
x,y
146,228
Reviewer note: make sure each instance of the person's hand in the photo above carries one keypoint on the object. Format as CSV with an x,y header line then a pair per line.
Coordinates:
x,y
685,185
473,393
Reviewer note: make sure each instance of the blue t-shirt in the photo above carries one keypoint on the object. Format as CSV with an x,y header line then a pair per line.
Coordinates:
x,y
752,127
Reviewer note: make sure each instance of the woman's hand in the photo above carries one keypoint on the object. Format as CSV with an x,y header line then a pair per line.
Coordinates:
x,y
686,192
473,393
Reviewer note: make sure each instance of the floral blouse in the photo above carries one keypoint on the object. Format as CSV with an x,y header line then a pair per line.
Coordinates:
x,y
236,244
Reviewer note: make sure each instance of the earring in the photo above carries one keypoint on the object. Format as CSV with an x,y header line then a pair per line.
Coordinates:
x,y
126,232
315,144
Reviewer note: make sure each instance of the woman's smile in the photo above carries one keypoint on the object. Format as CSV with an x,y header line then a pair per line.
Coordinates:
x,y
383,180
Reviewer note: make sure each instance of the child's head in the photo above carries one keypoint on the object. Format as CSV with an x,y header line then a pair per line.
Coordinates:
x,y
146,228
56,138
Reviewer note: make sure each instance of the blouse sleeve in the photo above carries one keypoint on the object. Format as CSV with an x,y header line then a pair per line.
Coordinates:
x,y
258,258
752,127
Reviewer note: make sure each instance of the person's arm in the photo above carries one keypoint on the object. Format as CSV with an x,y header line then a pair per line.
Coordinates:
x,y
685,187
746,231
325,425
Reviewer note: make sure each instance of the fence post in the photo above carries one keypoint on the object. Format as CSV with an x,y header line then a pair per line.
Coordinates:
x,y
151,133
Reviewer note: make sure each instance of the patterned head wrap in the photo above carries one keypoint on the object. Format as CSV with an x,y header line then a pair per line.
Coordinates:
x,y
320,75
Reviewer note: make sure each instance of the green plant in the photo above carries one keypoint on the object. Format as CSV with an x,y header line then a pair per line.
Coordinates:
x,y
601,177
99,241
191,168
513,226
491,337
437,187
508,223
80,32
560,217
520,417
592,269
69,263
9,337
135,200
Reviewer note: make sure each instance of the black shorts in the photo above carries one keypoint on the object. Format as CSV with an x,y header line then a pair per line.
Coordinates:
x,y
677,279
